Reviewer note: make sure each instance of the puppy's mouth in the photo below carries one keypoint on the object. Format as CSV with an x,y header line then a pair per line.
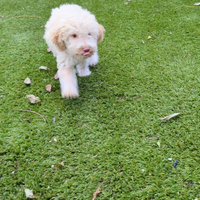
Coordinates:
x,y
87,54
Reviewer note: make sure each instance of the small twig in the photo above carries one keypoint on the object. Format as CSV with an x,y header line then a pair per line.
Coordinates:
x,y
100,74
185,6
32,112
101,82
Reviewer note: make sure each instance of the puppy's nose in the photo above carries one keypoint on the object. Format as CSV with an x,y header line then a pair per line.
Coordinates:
x,y
86,49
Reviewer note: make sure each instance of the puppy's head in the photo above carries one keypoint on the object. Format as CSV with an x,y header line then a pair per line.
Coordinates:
x,y
78,35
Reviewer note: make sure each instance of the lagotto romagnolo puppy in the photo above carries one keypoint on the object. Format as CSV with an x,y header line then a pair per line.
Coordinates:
x,y
72,34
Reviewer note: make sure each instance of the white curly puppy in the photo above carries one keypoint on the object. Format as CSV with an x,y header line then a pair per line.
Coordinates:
x,y
72,34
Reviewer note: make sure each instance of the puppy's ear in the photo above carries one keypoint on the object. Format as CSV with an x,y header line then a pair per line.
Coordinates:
x,y
57,40
101,33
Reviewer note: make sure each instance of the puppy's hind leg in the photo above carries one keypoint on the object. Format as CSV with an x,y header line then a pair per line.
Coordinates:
x,y
68,82
83,68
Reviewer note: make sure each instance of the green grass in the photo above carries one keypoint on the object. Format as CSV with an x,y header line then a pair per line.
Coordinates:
x,y
110,133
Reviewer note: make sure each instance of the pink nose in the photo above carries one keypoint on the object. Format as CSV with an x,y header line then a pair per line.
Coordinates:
x,y
87,49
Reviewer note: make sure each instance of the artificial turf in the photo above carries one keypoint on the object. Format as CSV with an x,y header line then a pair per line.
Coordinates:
x,y
110,136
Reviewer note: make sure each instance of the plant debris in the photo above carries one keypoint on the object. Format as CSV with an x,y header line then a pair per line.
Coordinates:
x,y
54,119
48,88
197,4
175,163
44,68
96,193
1,16
48,50
56,76
169,117
31,112
33,99
84,125
28,120
27,81
62,164
29,193
149,37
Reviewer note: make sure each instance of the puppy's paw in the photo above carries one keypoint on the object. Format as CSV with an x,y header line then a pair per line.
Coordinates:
x,y
94,60
85,72
70,93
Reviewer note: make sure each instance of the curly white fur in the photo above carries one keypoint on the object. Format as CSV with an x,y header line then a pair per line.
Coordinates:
x,y
72,34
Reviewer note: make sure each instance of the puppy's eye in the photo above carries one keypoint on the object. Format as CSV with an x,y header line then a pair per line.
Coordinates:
x,y
74,36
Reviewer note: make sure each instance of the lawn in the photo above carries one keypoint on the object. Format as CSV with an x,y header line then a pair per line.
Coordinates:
x,y
111,136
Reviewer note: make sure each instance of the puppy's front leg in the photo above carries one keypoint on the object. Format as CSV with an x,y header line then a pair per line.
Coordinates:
x,y
83,68
94,59
68,82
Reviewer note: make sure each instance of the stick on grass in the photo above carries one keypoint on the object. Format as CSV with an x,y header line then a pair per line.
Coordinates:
x,y
32,112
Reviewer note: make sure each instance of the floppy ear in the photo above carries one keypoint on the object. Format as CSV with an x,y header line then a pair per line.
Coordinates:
x,y
101,33
57,40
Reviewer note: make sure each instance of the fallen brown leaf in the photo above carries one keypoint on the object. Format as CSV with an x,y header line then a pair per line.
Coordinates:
x,y
96,193
62,163
48,88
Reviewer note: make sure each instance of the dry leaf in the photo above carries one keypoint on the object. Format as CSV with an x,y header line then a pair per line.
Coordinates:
x,y
56,76
127,3
169,117
48,50
1,16
96,193
48,88
84,125
27,81
44,68
149,37
33,99
62,163
197,4
142,41
29,194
